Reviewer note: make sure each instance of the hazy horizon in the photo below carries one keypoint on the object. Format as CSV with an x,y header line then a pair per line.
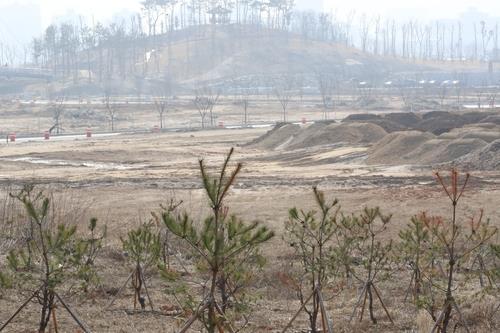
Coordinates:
x,y
21,20
417,9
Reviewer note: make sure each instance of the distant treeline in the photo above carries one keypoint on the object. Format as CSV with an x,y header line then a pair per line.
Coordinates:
x,y
124,49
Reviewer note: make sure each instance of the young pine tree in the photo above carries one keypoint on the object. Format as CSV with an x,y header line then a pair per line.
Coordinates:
x,y
312,236
89,249
143,247
375,254
223,245
457,245
412,251
51,258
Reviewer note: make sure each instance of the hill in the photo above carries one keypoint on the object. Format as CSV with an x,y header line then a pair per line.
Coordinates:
x,y
233,52
232,56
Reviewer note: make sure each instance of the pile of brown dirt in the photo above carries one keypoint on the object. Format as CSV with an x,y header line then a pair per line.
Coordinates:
x,y
439,122
392,122
309,133
388,125
423,148
488,133
454,149
358,117
436,122
407,119
317,134
494,119
476,116
435,114
345,133
394,141
441,150
394,147
279,135
487,158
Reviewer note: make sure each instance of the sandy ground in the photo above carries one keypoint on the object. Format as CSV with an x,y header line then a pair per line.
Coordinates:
x,y
121,179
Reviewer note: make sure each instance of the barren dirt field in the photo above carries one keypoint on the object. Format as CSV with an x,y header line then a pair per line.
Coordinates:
x,y
121,179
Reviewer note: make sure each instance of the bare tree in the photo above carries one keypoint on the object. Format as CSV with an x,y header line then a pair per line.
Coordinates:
x,y
377,32
486,36
408,96
57,109
162,93
492,98
110,107
283,90
161,104
364,31
244,102
326,86
205,100
443,91
475,41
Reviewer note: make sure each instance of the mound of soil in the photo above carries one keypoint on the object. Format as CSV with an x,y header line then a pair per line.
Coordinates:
x,y
475,117
392,122
423,148
322,133
279,135
440,124
309,134
455,149
488,133
442,150
388,125
360,117
488,136
394,147
435,114
345,133
487,158
494,119
407,119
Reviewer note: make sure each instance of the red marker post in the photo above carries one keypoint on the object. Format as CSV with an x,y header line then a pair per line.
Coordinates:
x,y
46,135
12,137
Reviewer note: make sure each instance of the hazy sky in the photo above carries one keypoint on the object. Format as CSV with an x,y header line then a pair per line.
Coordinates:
x,y
422,9
104,9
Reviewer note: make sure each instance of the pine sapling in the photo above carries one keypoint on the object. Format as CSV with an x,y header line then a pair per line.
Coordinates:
x,y
223,245
376,257
50,260
143,248
457,245
412,251
312,236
